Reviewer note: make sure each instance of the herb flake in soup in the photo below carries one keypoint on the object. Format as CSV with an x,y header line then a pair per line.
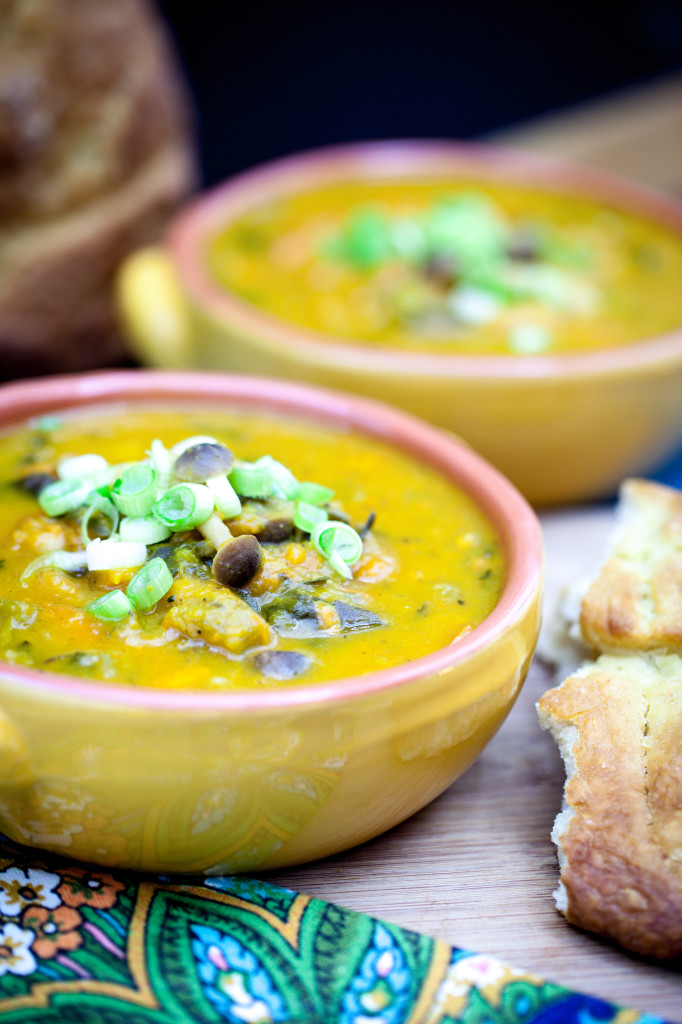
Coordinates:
x,y
213,550
462,267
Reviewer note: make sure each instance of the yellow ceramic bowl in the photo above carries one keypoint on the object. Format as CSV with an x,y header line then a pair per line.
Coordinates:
x,y
194,781
561,427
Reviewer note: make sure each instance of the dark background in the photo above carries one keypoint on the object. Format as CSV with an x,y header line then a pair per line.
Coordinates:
x,y
271,79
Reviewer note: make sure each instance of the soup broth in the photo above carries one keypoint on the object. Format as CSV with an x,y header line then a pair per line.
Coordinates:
x,y
429,569
454,266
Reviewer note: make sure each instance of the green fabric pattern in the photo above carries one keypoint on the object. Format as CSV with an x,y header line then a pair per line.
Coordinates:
x,y
84,946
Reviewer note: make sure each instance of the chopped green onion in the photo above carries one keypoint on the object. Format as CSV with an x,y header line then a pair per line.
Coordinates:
x,y
408,239
189,442
225,497
473,306
285,483
147,529
149,584
528,339
185,506
97,502
69,561
114,554
367,238
314,494
46,424
307,516
469,227
63,496
337,542
104,492
134,492
251,481
337,562
110,607
163,464
114,472
548,284
80,466
340,537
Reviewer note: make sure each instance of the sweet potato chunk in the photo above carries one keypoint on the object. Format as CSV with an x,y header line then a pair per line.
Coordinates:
x,y
37,534
203,610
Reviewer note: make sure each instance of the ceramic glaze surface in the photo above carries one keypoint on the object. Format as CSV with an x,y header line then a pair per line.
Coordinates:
x,y
227,782
563,426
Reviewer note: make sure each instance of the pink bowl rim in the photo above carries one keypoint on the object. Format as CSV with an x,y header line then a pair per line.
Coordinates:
x,y
511,515
199,219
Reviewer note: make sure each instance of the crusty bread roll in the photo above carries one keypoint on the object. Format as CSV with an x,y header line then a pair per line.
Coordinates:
x,y
635,602
95,153
618,724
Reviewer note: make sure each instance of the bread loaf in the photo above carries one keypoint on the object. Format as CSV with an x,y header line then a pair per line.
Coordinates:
x,y
635,602
95,153
618,724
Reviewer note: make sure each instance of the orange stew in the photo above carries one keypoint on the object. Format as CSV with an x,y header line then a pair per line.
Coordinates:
x,y
393,562
454,266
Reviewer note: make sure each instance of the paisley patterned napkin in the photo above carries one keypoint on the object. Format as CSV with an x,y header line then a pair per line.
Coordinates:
x,y
81,945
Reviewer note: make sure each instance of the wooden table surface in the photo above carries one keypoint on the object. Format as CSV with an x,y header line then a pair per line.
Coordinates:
x,y
477,867
637,133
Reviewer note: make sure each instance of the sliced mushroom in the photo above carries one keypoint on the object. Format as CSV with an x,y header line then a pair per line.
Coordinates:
x,y
354,617
276,531
524,245
202,462
34,483
442,269
271,520
281,664
237,559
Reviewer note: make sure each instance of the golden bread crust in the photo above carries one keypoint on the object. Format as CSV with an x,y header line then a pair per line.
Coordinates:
x,y
621,852
88,92
618,724
635,603
95,155
57,310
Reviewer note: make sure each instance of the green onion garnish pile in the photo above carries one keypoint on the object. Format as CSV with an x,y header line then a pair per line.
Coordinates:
x,y
471,261
143,503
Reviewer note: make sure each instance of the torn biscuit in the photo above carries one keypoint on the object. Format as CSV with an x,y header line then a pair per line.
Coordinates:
x,y
618,723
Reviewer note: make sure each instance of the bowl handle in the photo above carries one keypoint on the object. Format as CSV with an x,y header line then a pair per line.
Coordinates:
x,y
153,309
